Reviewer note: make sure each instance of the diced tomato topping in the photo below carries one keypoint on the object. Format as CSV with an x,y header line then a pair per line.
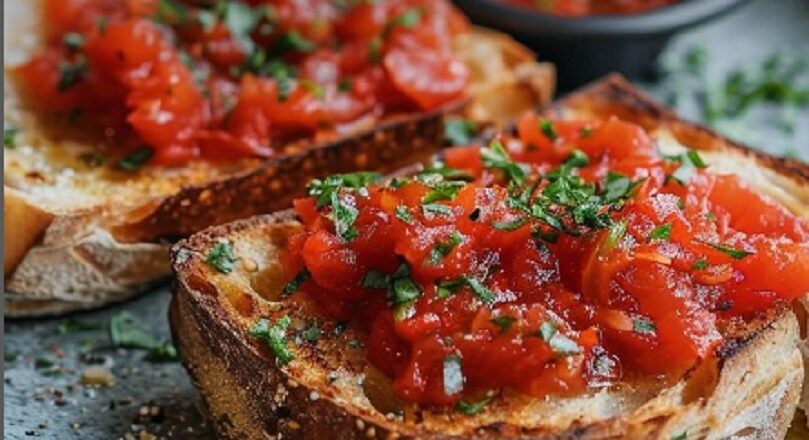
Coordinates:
x,y
617,264
222,80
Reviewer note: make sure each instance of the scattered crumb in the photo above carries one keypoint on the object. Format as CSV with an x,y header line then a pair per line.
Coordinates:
x,y
97,376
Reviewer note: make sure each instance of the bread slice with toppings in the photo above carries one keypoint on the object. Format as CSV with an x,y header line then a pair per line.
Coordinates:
x,y
329,389
79,236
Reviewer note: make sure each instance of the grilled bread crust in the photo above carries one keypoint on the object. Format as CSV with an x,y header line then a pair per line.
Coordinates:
x,y
78,237
330,391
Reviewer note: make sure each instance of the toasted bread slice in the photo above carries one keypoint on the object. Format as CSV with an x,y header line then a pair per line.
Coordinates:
x,y
330,391
79,236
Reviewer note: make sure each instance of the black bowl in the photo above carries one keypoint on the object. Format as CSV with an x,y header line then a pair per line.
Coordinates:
x,y
586,48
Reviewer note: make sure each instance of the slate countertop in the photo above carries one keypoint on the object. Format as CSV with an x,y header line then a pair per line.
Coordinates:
x,y
156,400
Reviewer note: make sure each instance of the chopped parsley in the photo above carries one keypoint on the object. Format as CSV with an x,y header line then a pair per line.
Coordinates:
x,y
10,137
125,332
459,131
504,322
403,214
452,375
221,257
480,290
447,288
681,436
443,248
689,162
700,264
558,342
323,189
402,291
73,41
736,254
496,157
436,209
577,159
70,73
510,226
343,216
547,129
311,333
274,335
443,191
293,285
586,132
295,42
408,19
135,159
662,232
643,325
473,408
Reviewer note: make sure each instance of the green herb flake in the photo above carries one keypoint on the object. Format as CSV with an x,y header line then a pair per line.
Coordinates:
x,y
480,290
295,42
447,288
736,254
375,50
473,408
643,325
10,137
700,264
459,131
375,280
166,352
452,375
125,332
403,214
136,159
510,226
405,290
312,333
577,159
73,41
547,129
70,73
504,322
293,285
323,189
344,85
696,159
662,232
586,132
73,325
681,436
221,257
343,215
436,209
354,344
496,157
408,19
443,191
443,248
274,335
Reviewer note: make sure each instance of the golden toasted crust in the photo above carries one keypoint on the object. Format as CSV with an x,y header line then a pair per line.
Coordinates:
x,y
322,392
753,395
100,213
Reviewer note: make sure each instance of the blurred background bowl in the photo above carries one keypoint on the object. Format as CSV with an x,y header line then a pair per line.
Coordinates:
x,y
588,47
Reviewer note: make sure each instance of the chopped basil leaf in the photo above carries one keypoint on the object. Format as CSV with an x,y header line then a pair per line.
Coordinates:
x,y
447,288
586,132
617,186
405,310
73,41
408,19
472,408
166,352
577,159
343,215
375,50
710,216
442,249
644,325
453,375
293,285
442,191
404,290
480,290
496,157
547,129
135,159
700,264
681,436
403,214
736,254
323,189
616,234
206,19
375,280
459,131
275,337
70,73
344,85
662,232
696,159
125,332
510,226
295,42
73,325
504,322
436,209
9,137
221,257
311,333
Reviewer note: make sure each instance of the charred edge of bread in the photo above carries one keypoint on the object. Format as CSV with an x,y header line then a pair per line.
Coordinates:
x,y
247,395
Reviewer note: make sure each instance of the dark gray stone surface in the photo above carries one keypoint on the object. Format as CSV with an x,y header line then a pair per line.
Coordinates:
x,y
41,405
